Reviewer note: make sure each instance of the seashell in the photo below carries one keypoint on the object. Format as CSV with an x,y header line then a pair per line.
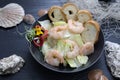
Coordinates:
x,y
11,15
11,64
112,53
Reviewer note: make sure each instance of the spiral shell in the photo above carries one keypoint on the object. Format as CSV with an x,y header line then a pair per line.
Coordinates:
x,y
11,15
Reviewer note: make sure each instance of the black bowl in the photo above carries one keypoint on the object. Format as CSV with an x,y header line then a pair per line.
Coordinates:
x,y
99,45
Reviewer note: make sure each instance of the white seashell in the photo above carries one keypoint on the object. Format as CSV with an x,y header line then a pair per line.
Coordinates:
x,y
11,15
113,57
11,64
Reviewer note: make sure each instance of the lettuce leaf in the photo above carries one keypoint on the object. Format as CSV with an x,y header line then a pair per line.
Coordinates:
x,y
77,61
59,23
77,38
46,24
45,48
72,63
82,59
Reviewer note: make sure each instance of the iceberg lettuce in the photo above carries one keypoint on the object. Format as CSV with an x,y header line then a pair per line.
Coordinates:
x,y
59,23
46,24
77,38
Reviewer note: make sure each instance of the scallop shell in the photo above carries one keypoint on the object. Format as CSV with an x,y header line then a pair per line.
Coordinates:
x,y
11,15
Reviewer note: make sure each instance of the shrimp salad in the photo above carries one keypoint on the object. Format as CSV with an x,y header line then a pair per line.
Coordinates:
x,y
61,42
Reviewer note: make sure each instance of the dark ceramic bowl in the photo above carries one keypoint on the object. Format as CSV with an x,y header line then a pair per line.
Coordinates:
x,y
37,55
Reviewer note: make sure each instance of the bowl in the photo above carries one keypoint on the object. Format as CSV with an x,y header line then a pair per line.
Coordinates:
x,y
93,58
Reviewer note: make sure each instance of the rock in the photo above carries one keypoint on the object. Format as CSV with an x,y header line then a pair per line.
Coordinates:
x,y
11,64
112,51
29,19
42,12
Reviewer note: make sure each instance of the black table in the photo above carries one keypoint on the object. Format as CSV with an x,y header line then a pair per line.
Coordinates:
x,y
13,43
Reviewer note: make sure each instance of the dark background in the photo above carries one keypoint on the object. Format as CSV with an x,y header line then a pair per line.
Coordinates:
x,y
13,43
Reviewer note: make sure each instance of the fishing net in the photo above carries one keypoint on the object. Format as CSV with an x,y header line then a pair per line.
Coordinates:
x,y
107,14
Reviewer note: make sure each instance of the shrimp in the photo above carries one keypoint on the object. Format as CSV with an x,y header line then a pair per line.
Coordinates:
x,y
57,32
74,49
54,58
75,26
87,48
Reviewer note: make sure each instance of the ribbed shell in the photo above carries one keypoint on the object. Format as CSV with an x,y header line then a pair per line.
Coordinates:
x,y
11,15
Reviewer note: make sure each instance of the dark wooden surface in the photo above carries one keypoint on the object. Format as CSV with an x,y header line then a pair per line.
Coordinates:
x,y
13,43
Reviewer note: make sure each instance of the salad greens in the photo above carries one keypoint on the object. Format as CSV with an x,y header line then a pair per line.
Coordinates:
x,y
30,34
60,44
59,23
